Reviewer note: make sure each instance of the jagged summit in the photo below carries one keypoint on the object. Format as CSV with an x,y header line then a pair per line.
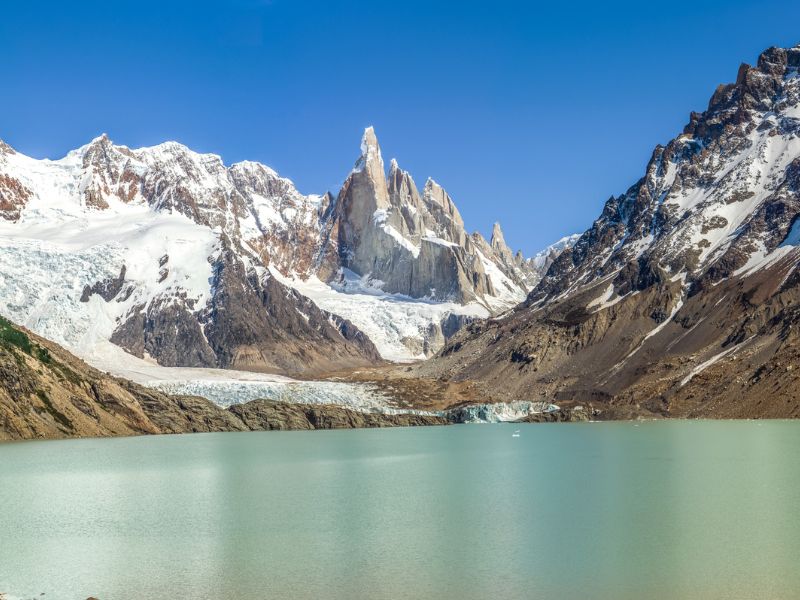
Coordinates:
x,y
369,141
497,234
498,240
716,198
370,151
100,139
196,263
415,244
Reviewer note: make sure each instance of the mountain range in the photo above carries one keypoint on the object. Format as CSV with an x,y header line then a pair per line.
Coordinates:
x,y
176,258
681,299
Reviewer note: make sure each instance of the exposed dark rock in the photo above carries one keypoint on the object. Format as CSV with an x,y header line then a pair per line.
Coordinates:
x,y
260,322
563,415
107,289
169,332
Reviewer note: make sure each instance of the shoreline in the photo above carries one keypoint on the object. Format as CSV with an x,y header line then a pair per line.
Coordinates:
x,y
267,415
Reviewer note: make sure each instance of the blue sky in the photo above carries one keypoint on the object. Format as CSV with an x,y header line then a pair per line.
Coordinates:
x,y
532,114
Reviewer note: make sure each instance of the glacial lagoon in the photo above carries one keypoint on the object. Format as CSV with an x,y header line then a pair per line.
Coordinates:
x,y
680,509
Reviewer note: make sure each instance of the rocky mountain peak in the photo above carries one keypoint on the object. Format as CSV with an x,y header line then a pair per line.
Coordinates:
x,y
369,173
414,244
99,145
498,241
401,182
370,158
757,88
499,246
719,197
440,202
109,171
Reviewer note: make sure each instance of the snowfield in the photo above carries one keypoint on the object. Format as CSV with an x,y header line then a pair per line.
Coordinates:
x,y
46,261
396,324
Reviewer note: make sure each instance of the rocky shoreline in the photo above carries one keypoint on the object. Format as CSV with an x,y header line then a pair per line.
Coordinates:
x,y
268,415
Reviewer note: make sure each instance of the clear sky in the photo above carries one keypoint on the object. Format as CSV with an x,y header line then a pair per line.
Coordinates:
x,y
529,113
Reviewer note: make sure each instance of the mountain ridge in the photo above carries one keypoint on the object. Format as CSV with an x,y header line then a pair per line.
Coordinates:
x,y
186,243
679,299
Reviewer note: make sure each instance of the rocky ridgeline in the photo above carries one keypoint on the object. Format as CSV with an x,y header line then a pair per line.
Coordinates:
x,y
416,244
719,194
244,224
681,298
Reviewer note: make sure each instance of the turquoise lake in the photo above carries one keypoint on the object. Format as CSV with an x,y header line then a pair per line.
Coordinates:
x,y
680,509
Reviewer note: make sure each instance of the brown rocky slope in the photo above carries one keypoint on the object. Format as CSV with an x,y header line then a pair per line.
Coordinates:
x,y
46,392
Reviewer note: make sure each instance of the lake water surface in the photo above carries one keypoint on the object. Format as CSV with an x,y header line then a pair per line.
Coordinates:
x,y
607,510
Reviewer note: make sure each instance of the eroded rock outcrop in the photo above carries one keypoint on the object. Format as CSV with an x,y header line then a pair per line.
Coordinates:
x,y
415,244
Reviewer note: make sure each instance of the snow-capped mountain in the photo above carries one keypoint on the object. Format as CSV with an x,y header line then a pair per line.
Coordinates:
x,y
176,257
715,201
687,278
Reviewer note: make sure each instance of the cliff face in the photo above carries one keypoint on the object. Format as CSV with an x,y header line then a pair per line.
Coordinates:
x,y
415,244
679,300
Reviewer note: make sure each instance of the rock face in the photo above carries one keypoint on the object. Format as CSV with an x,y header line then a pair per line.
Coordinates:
x,y
173,255
680,299
415,244
250,323
713,198
13,197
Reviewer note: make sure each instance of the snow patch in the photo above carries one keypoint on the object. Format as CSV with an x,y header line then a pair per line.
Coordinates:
x,y
602,301
398,325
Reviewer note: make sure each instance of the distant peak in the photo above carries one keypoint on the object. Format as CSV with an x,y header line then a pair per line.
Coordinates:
x,y
436,193
97,146
100,139
369,140
253,167
5,148
498,241
369,132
